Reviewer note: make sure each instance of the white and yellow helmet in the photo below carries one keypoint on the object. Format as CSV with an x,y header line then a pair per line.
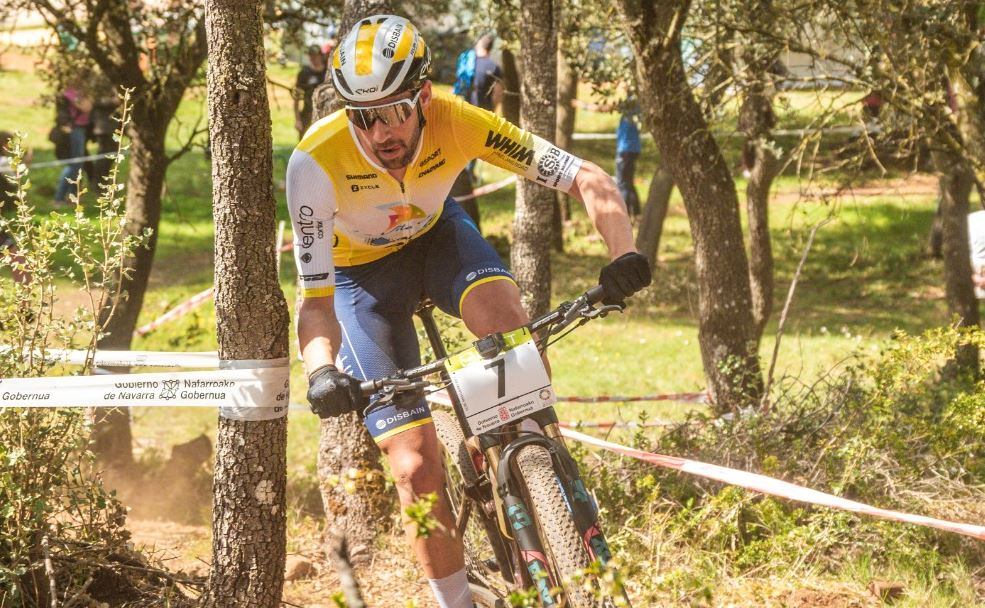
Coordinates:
x,y
380,56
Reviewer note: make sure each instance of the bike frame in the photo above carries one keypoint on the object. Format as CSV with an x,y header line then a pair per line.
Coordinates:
x,y
507,495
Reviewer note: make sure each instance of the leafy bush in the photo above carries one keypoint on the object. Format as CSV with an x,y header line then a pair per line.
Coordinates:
x,y
902,431
62,536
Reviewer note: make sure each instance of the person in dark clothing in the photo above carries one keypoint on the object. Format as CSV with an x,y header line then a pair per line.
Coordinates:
x,y
628,150
78,104
311,76
487,86
101,129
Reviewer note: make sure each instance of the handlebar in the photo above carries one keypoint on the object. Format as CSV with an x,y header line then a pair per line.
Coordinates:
x,y
562,316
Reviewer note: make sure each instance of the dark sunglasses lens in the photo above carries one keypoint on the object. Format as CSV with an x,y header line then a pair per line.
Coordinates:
x,y
391,116
363,119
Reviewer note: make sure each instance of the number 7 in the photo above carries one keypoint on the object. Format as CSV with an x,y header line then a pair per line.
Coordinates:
x,y
500,365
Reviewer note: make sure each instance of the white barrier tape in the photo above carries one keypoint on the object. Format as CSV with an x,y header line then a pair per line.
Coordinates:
x,y
841,130
135,358
774,487
188,305
263,406
178,311
679,397
632,424
70,161
258,388
486,189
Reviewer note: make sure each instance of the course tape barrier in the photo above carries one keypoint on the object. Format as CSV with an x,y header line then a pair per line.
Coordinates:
x,y
678,397
134,358
265,391
486,189
70,161
773,487
187,306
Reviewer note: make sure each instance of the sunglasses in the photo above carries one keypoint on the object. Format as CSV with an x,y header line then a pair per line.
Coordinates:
x,y
390,114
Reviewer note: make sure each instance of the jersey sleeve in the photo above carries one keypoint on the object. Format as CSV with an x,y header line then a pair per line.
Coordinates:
x,y
312,205
482,134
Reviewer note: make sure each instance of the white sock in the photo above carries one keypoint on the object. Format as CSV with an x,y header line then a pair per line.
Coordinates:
x,y
452,591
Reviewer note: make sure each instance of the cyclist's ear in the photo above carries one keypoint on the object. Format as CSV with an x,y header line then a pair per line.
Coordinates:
x,y
425,95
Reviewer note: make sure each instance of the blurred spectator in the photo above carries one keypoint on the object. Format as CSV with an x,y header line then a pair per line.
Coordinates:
x,y
487,77
628,150
311,76
101,129
72,120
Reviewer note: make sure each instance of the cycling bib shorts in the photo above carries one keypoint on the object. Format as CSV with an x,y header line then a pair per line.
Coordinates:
x,y
375,302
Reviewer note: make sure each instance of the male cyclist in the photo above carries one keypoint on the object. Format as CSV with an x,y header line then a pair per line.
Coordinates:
x,y
375,231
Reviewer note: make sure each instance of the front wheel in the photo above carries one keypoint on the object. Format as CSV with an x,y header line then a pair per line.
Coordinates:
x,y
562,541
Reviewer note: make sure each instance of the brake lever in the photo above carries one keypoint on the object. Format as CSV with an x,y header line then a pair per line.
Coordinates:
x,y
602,311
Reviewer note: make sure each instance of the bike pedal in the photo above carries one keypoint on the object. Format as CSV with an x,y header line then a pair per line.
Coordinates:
x,y
491,564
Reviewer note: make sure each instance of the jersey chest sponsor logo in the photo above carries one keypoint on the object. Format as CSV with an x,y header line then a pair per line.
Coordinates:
x,y
355,176
358,187
430,157
512,149
433,167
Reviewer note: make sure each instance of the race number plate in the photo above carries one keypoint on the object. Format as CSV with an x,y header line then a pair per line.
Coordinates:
x,y
495,391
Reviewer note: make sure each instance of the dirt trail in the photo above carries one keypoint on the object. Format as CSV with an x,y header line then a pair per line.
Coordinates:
x,y
390,581
916,185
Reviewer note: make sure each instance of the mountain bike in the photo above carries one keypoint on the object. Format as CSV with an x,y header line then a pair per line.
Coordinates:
x,y
526,518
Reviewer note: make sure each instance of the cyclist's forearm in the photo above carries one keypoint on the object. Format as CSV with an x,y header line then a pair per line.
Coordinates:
x,y
597,191
319,334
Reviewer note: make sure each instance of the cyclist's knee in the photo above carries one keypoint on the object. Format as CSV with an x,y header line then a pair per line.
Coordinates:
x,y
492,307
414,475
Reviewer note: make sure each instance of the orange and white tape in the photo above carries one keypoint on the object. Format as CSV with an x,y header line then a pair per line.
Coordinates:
x,y
774,487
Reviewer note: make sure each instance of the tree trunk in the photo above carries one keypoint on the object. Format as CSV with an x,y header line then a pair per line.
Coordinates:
x,y
350,475
654,214
756,120
727,333
567,92
249,520
535,204
956,182
511,88
111,436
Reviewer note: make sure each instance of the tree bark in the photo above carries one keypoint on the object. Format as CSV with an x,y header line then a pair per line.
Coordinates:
x,y
511,88
756,120
567,92
535,205
654,214
249,519
350,475
956,181
727,333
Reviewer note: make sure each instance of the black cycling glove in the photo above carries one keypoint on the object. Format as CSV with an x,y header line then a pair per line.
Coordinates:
x,y
333,393
623,277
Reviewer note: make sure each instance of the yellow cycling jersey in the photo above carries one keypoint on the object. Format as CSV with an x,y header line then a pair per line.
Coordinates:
x,y
347,210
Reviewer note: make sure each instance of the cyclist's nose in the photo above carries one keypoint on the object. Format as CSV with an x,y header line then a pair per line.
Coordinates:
x,y
380,132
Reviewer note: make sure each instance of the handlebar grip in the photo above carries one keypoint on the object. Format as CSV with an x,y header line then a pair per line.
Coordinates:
x,y
595,294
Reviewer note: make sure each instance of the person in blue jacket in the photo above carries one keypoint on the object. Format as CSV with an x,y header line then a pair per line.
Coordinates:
x,y
628,150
